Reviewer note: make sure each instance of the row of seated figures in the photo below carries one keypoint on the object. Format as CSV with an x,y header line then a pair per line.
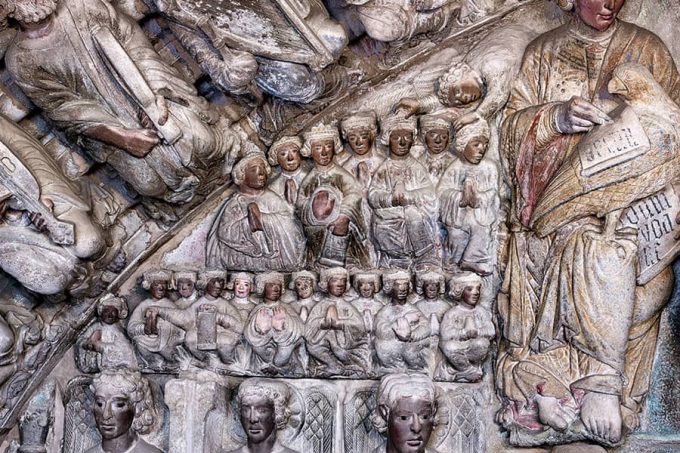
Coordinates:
x,y
384,197
358,327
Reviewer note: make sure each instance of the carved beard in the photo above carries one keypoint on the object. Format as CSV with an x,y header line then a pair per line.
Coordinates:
x,y
33,11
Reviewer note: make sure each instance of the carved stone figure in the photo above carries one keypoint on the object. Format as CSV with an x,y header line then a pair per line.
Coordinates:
x,y
46,226
264,410
435,133
360,131
184,282
212,324
285,152
470,203
406,413
431,287
565,87
467,330
329,205
104,345
336,337
303,283
274,331
20,331
132,111
367,286
156,339
399,20
404,202
241,283
255,229
403,338
123,410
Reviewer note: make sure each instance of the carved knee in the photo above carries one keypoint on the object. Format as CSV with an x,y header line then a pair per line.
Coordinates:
x,y
385,23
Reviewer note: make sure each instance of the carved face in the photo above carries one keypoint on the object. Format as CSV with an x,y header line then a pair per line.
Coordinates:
x,y
400,290
431,290
304,287
288,157
476,149
185,287
599,14
360,140
437,140
33,11
113,412
410,425
272,291
471,293
256,175
215,287
464,92
158,289
337,286
401,141
109,314
242,288
366,288
323,151
258,417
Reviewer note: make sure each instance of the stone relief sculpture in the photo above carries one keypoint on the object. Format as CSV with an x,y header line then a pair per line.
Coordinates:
x,y
323,232
584,257
406,412
135,112
402,332
466,331
46,222
123,410
470,202
404,202
264,408
255,229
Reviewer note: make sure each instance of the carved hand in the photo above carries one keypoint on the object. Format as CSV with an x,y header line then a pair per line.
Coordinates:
x,y
255,218
263,322
341,226
410,105
399,195
322,205
279,319
331,320
402,329
290,191
578,115
151,324
363,173
93,343
466,119
137,142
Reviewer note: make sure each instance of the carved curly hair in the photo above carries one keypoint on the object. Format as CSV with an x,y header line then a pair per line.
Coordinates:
x,y
275,391
136,388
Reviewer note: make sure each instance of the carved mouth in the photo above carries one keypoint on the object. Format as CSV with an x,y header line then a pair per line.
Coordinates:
x,y
414,442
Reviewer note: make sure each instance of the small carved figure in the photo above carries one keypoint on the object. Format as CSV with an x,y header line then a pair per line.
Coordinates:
x,y
184,282
337,340
123,410
285,152
435,132
406,412
470,203
404,202
329,205
360,132
135,112
367,286
213,325
403,338
274,331
400,20
431,286
255,229
104,345
156,339
36,198
303,284
241,284
20,332
466,331
264,410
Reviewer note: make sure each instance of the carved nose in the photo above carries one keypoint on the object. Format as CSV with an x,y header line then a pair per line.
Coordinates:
x,y
416,425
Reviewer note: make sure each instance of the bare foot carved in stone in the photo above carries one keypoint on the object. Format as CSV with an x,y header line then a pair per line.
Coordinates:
x,y
553,413
601,415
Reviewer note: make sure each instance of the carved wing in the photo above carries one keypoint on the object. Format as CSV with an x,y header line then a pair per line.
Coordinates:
x,y
80,431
